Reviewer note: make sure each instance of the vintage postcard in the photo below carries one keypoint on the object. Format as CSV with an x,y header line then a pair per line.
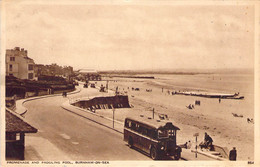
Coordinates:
x,y
124,82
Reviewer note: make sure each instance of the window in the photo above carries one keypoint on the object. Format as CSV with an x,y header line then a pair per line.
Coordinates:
x,y
10,67
128,124
18,136
137,128
145,132
10,136
30,76
30,66
172,132
133,126
162,133
152,133
12,58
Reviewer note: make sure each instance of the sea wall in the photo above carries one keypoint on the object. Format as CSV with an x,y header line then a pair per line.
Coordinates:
x,y
108,102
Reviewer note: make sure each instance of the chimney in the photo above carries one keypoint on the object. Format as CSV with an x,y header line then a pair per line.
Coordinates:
x,y
22,49
26,53
17,48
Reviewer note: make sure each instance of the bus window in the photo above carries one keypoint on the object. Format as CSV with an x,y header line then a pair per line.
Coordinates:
x,y
140,129
172,132
128,124
133,126
162,133
152,133
137,128
145,132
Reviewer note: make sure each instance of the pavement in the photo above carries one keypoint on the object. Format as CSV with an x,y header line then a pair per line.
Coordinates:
x,y
36,151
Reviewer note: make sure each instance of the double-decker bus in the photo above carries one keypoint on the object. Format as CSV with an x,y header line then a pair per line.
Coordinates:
x,y
155,137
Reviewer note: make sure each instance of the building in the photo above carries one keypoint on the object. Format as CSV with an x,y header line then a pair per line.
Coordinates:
x,y
15,130
18,64
89,74
53,70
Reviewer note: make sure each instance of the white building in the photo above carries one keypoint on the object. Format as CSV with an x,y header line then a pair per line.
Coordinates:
x,y
89,74
18,64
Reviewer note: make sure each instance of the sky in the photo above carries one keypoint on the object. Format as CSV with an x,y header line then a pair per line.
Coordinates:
x,y
132,36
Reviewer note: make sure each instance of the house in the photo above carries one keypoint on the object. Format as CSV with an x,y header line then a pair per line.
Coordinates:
x,y
15,129
18,64
53,70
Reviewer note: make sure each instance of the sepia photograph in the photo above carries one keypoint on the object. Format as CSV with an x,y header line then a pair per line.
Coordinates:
x,y
112,83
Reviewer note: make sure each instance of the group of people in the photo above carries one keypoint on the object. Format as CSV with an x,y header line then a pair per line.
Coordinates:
x,y
187,145
190,106
250,120
208,144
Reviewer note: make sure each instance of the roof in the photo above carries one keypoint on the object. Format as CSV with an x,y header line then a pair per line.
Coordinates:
x,y
153,123
28,58
15,123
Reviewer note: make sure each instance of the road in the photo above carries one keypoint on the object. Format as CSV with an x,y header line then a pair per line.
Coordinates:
x,y
74,137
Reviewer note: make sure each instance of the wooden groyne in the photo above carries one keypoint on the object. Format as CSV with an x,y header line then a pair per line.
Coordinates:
x,y
211,95
135,77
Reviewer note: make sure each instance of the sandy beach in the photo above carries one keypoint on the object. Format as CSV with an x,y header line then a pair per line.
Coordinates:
x,y
214,117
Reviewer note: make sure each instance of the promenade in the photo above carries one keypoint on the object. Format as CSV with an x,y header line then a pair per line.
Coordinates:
x,y
63,131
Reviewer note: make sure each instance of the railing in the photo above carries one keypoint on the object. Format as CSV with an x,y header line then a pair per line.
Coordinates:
x,y
222,150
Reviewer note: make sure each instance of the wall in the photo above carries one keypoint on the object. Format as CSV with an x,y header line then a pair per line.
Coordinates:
x,y
23,68
104,102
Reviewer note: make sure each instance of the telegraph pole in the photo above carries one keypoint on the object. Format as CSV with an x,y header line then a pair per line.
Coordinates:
x,y
196,147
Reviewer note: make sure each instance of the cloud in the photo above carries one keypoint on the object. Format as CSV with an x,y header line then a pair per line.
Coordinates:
x,y
133,36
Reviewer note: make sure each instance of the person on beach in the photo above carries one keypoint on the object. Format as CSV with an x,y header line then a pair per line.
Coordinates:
x,y
233,154
219,100
208,141
117,90
188,145
190,106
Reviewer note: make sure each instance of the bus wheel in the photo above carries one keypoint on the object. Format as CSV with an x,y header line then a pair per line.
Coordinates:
x,y
177,156
154,153
130,142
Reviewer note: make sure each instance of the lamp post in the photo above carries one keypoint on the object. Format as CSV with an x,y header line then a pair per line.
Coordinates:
x,y
113,117
153,113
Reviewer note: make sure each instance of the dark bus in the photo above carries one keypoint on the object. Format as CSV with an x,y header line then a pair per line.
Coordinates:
x,y
155,137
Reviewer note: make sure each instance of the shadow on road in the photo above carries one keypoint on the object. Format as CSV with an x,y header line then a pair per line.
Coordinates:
x,y
163,158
